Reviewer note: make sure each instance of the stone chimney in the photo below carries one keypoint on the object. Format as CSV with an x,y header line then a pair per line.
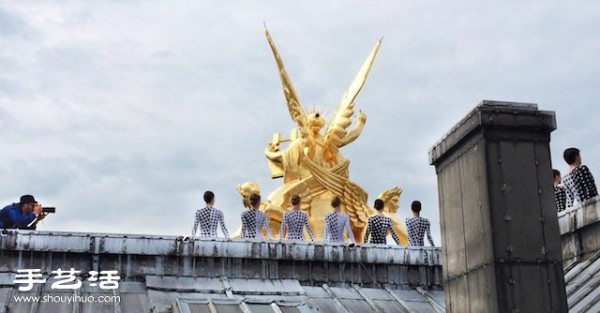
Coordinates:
x,y
500,236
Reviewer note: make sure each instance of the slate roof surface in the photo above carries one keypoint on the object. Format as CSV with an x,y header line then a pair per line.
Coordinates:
x,y
173,274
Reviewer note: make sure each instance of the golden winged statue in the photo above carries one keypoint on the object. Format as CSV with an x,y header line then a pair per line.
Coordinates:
x,y
312,165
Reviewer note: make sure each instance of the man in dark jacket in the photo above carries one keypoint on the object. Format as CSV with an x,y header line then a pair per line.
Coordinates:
x,y
21,215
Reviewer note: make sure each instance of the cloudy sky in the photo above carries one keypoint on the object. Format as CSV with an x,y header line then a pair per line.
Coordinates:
x,y
122,113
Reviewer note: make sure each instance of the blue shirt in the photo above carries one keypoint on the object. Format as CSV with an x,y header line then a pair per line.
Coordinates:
x,y
12,217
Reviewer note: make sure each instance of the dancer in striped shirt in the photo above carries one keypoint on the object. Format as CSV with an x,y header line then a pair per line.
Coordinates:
x,y
253,220
336,222
418,226
579,182
295,221
209,218
378,226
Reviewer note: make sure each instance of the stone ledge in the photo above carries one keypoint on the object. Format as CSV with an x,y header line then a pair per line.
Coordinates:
x,y
155,245
575,218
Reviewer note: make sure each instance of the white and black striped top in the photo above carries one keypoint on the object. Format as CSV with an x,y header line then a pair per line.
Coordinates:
x,y
579,185
378,227
335,222
417,228
294,221
253,221
208,220
560,197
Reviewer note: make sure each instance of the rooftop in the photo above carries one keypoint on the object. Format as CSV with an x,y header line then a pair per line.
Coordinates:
x,y
174,274
580,236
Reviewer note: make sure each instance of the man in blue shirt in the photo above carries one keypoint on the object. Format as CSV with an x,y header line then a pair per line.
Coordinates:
x,y
21,215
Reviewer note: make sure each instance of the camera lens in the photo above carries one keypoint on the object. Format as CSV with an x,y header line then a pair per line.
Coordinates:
x,y
49,210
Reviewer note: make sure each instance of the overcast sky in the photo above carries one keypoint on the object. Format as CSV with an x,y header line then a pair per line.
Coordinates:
x,y
122,113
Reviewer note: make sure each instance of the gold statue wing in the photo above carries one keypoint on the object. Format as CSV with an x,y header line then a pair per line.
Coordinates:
x,y
293,102
353,196
355,203
336,130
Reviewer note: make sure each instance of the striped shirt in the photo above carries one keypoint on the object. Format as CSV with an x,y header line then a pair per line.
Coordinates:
x,y
417,228
560,197
579,185
377,228
208,219
335,222
295,221
253,221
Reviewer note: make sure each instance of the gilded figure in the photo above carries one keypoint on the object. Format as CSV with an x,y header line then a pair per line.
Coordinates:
x,y
312,165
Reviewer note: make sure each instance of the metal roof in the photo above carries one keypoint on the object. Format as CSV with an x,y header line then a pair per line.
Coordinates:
x,y
175,274
583,286
187,294
580,230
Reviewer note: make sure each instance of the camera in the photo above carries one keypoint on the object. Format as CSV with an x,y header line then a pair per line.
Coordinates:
x,y
49,209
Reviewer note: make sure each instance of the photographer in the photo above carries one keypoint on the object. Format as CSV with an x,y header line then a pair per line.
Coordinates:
x,y
22,215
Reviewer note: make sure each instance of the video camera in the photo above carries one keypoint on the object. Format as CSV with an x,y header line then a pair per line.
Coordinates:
x,y
49,209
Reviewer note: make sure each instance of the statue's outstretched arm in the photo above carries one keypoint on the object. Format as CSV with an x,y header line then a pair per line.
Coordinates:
x,y
361,119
